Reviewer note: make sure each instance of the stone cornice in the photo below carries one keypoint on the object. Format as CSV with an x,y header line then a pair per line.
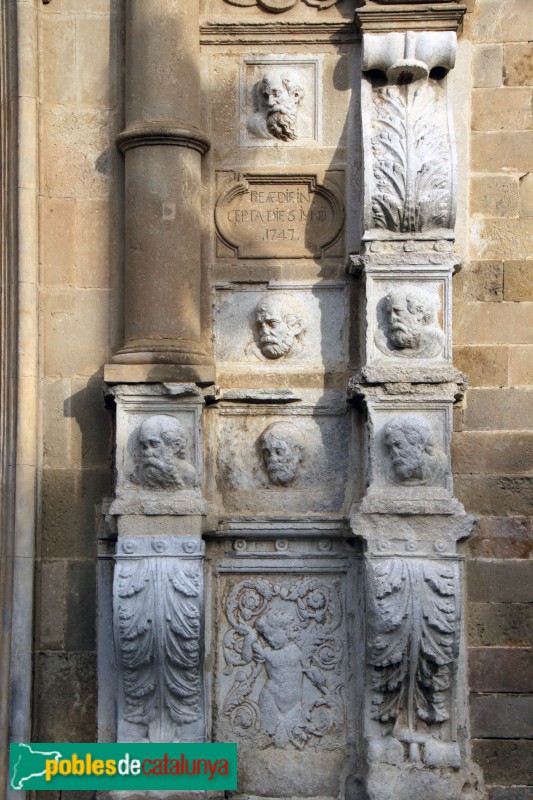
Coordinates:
x,y
222,32
162,132
426,16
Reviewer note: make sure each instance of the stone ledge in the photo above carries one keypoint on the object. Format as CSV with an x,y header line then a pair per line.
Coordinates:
x,y
426,16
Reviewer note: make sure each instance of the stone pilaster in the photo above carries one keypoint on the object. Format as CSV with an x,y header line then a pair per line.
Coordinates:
x,y
163,147
157,603
415,719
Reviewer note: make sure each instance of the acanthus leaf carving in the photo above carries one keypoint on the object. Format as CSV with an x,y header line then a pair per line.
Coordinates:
x,y
157,604
412,165
412,638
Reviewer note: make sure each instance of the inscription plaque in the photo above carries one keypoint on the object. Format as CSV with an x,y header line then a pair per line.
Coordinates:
x,y
278,216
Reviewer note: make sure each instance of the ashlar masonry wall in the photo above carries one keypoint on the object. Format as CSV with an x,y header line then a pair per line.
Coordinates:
x,y
493,443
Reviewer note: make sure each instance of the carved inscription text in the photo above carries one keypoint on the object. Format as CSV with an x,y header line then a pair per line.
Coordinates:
x,y
273,216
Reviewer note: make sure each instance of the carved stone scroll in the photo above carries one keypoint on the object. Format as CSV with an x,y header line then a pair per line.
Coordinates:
x,y
158,598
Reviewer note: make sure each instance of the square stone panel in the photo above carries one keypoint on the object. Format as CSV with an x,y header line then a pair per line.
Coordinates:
x,y
287,86
319,338
274,462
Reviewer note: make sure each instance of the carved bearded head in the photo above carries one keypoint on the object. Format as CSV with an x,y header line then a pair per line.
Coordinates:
x,y
409,313
280,321
280,96
282,452
410,445
162,443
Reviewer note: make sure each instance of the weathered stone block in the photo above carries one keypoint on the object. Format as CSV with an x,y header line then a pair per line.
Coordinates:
x,y
521,365
495,494
494,195
493,22
501,716
518,64
52,604
526,195
497,238
511,150
484,365
58,38
479,280
97,244
518,280
504,409
58,242
506,323
492,453
96,66
68,501
487,65
56,425
81,606
92,423
493,581
80,155
502,109
500,624
505,762
66,698
500,669
68,315
502,537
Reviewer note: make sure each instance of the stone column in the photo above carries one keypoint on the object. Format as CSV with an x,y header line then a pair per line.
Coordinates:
x,y
415,709
163,147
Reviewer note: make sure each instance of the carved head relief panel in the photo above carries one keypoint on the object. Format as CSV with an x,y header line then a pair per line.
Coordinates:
x,y
163,447
300,455
413,455
280,321
280,101
408,324
285,326
282,451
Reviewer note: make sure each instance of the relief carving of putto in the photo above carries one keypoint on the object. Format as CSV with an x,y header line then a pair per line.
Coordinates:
x,y
280,323
276,99
162,445
413,455
285,654
411,328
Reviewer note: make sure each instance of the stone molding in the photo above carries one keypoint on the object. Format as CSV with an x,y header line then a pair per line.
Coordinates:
x,y
218,32
419,17
162,133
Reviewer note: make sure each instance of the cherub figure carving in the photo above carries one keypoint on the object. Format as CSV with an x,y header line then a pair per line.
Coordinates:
x,y
415,458
162,442
412,329
276,100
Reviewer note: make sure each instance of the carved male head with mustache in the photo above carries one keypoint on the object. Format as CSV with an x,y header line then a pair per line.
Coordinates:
x,y
412,325
162,442
280,97
280,320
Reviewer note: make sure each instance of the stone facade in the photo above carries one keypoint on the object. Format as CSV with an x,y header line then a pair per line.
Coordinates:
x,y
204,257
